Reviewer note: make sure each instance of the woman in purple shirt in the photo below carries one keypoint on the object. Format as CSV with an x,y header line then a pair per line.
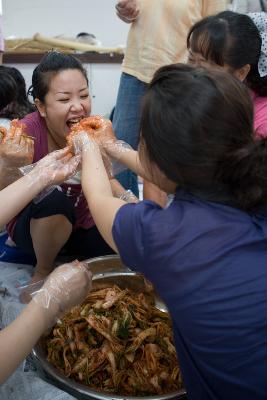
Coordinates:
x,y
206,253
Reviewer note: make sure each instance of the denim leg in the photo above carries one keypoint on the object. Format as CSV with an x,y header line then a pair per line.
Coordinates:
x,y
126,121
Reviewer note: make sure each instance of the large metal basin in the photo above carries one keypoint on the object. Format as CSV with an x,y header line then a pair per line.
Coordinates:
x,y
107,271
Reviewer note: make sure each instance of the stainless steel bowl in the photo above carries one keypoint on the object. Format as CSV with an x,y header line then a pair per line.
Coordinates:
x,y
107,271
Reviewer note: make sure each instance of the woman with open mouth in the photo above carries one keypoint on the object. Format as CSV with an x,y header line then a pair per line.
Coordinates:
x,y
61,219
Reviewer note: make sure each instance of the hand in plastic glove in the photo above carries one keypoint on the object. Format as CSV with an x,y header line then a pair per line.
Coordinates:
x,y
82,142
56,167
16,149
96,127
127,10
106,134
65,287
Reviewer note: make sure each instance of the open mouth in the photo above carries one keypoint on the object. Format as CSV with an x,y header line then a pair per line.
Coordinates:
x,y
73,121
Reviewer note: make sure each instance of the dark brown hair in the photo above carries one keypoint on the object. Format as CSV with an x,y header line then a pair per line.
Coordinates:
x,y
197,127
8,89
52,63
20,106
233,39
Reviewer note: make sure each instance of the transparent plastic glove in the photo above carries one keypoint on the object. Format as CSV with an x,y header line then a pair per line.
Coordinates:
x,y
127,10
96,127
82,142
52,170
129,197
115,149
65,287
16,149
56,167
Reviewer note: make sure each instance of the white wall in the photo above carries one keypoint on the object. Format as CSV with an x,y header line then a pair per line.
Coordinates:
x,y
23,18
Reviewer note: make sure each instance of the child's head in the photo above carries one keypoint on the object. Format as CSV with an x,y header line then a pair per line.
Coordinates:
x,y
19,79
21,105
8,89
197,130
232,41
60,91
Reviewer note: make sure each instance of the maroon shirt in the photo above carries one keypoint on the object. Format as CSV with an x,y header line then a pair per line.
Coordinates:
x,y
36,127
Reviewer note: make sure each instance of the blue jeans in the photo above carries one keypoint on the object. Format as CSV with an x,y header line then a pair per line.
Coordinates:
x,y
126,121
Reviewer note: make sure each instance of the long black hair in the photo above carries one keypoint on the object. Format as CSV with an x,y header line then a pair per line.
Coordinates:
x,y
233,39
52,63
8,89
20,106
197,127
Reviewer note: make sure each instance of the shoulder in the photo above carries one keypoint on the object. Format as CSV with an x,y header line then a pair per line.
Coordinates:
x,y
34,123
260,115
36,127
260,102
131,229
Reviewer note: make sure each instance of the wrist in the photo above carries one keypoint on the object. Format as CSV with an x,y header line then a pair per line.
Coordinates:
x,y
41,319
128,196
49,309
36,179
113,150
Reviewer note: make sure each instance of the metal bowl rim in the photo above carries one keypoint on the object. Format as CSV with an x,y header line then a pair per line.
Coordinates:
x,y
82,389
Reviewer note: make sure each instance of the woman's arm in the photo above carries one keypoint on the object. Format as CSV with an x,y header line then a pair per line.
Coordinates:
x,y
17,340
17,195
65,287
130,158
119,191
97,190
52,169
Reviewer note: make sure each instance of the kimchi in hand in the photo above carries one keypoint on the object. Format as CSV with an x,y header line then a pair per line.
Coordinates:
x,y
97,128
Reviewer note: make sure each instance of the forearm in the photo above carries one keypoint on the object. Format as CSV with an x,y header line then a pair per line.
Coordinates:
x,y
94,174
98,193
116,187
17,340
127,157
8,176
17,195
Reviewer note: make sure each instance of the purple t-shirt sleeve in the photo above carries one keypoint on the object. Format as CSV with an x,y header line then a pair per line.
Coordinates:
x,y
129,231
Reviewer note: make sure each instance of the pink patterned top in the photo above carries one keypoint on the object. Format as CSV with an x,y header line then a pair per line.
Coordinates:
x,y
260,115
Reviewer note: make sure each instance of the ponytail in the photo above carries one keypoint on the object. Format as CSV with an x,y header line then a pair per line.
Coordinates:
x,y
245,173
